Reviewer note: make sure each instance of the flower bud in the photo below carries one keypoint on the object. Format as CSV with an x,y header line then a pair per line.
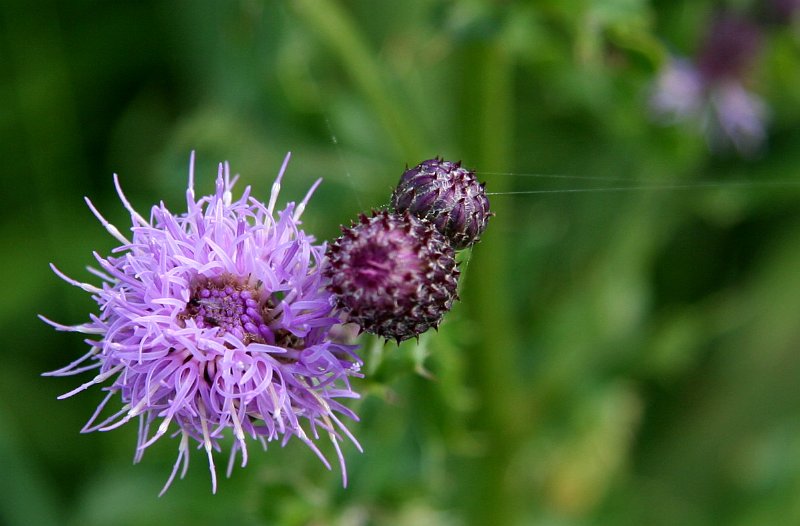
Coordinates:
x,y
448,196
395,275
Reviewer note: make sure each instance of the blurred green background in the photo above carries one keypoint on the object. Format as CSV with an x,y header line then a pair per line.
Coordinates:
x,y
618,358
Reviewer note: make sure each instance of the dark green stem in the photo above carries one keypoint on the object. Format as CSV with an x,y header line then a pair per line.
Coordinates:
x,y
336,29
495,340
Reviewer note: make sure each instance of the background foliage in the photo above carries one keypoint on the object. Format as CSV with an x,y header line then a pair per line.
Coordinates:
x,y
618,357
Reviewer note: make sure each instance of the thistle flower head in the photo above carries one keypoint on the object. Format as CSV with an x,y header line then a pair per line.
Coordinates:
x,y
216,319
448,196
395,275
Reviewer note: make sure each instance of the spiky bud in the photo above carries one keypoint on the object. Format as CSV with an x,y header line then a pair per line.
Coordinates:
x,y
448,196
395,275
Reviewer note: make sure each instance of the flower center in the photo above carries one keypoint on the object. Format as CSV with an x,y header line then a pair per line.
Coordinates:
x,y
372,266
233,307
384,265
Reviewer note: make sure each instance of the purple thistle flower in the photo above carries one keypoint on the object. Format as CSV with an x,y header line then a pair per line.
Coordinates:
x,y
216,319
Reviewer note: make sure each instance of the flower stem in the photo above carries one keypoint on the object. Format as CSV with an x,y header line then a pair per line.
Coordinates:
x,y
495,343
336,29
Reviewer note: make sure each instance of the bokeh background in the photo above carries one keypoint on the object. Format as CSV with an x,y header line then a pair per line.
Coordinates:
x,y
618,357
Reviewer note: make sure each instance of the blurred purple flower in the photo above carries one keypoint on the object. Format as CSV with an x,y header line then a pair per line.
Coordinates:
x,y
678,92
217,319
710,91
736,117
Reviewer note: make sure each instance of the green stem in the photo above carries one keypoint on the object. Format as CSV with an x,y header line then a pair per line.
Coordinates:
x,y
493,351
335,28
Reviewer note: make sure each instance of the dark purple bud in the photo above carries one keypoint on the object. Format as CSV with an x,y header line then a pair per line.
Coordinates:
x,y
448,196
394,275
729,49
